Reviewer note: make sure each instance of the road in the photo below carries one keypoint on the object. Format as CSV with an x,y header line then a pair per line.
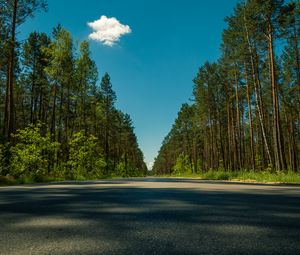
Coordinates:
x,y
150,216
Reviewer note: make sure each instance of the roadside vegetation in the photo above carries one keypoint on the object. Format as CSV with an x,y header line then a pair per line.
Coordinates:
x,y
57,120
244,119
243,176
183,169
34,158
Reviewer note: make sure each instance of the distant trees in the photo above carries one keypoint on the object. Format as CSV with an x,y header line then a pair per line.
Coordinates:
x,y
247,103
55,119
181,145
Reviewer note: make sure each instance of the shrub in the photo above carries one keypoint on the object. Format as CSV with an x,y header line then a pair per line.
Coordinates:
x,y
85,160
1,159
182,165
4,159
2,162
120,170
30,155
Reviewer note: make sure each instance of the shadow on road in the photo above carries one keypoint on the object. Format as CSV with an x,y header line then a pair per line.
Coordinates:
x,y
141,220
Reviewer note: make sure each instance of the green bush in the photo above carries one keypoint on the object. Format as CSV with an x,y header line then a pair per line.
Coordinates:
x,y
120,170
30,155
2,163
4,159
130,171
134,172
182,165
85,160
250,175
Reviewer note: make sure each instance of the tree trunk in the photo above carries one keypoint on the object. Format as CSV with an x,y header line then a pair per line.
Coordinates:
x,y
280,163
250,120
32,99
9,125
229,153
238,124
53,119
256,82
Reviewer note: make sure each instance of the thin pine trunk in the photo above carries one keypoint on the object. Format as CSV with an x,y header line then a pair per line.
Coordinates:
x,y
250,120
280,163
256,82
9,125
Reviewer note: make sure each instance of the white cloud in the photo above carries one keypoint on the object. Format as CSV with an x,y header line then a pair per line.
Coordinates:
x,y
108,30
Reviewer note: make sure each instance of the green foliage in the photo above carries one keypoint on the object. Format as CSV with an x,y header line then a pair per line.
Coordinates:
x,y
217,175
56,84
183,165
120,170
2,159
184,138
85,160
245,176
245,110
30,155
258,161
259,176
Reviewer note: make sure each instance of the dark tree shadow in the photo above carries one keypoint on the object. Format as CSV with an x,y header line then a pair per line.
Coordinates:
x,y
94,218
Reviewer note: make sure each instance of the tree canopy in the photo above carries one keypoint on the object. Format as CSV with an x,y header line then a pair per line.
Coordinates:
x,y
246,109
56,118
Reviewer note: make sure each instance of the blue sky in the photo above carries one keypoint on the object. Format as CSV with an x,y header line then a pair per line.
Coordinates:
x,y
152,67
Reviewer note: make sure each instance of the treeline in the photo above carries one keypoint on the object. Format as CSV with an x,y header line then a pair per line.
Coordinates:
x,y
56,119
246,110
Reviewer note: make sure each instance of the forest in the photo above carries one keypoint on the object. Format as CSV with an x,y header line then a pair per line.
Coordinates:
x,y
57,120
245,112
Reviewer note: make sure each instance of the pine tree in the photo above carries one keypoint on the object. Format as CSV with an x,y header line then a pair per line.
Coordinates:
x,y
108,97
35,61
86,77
15,13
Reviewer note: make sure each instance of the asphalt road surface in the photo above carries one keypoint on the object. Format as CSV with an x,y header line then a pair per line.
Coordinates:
x,y
150,216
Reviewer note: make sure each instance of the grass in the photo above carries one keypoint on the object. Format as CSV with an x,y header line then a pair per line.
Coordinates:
x,y
248,176
9,180
259,176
